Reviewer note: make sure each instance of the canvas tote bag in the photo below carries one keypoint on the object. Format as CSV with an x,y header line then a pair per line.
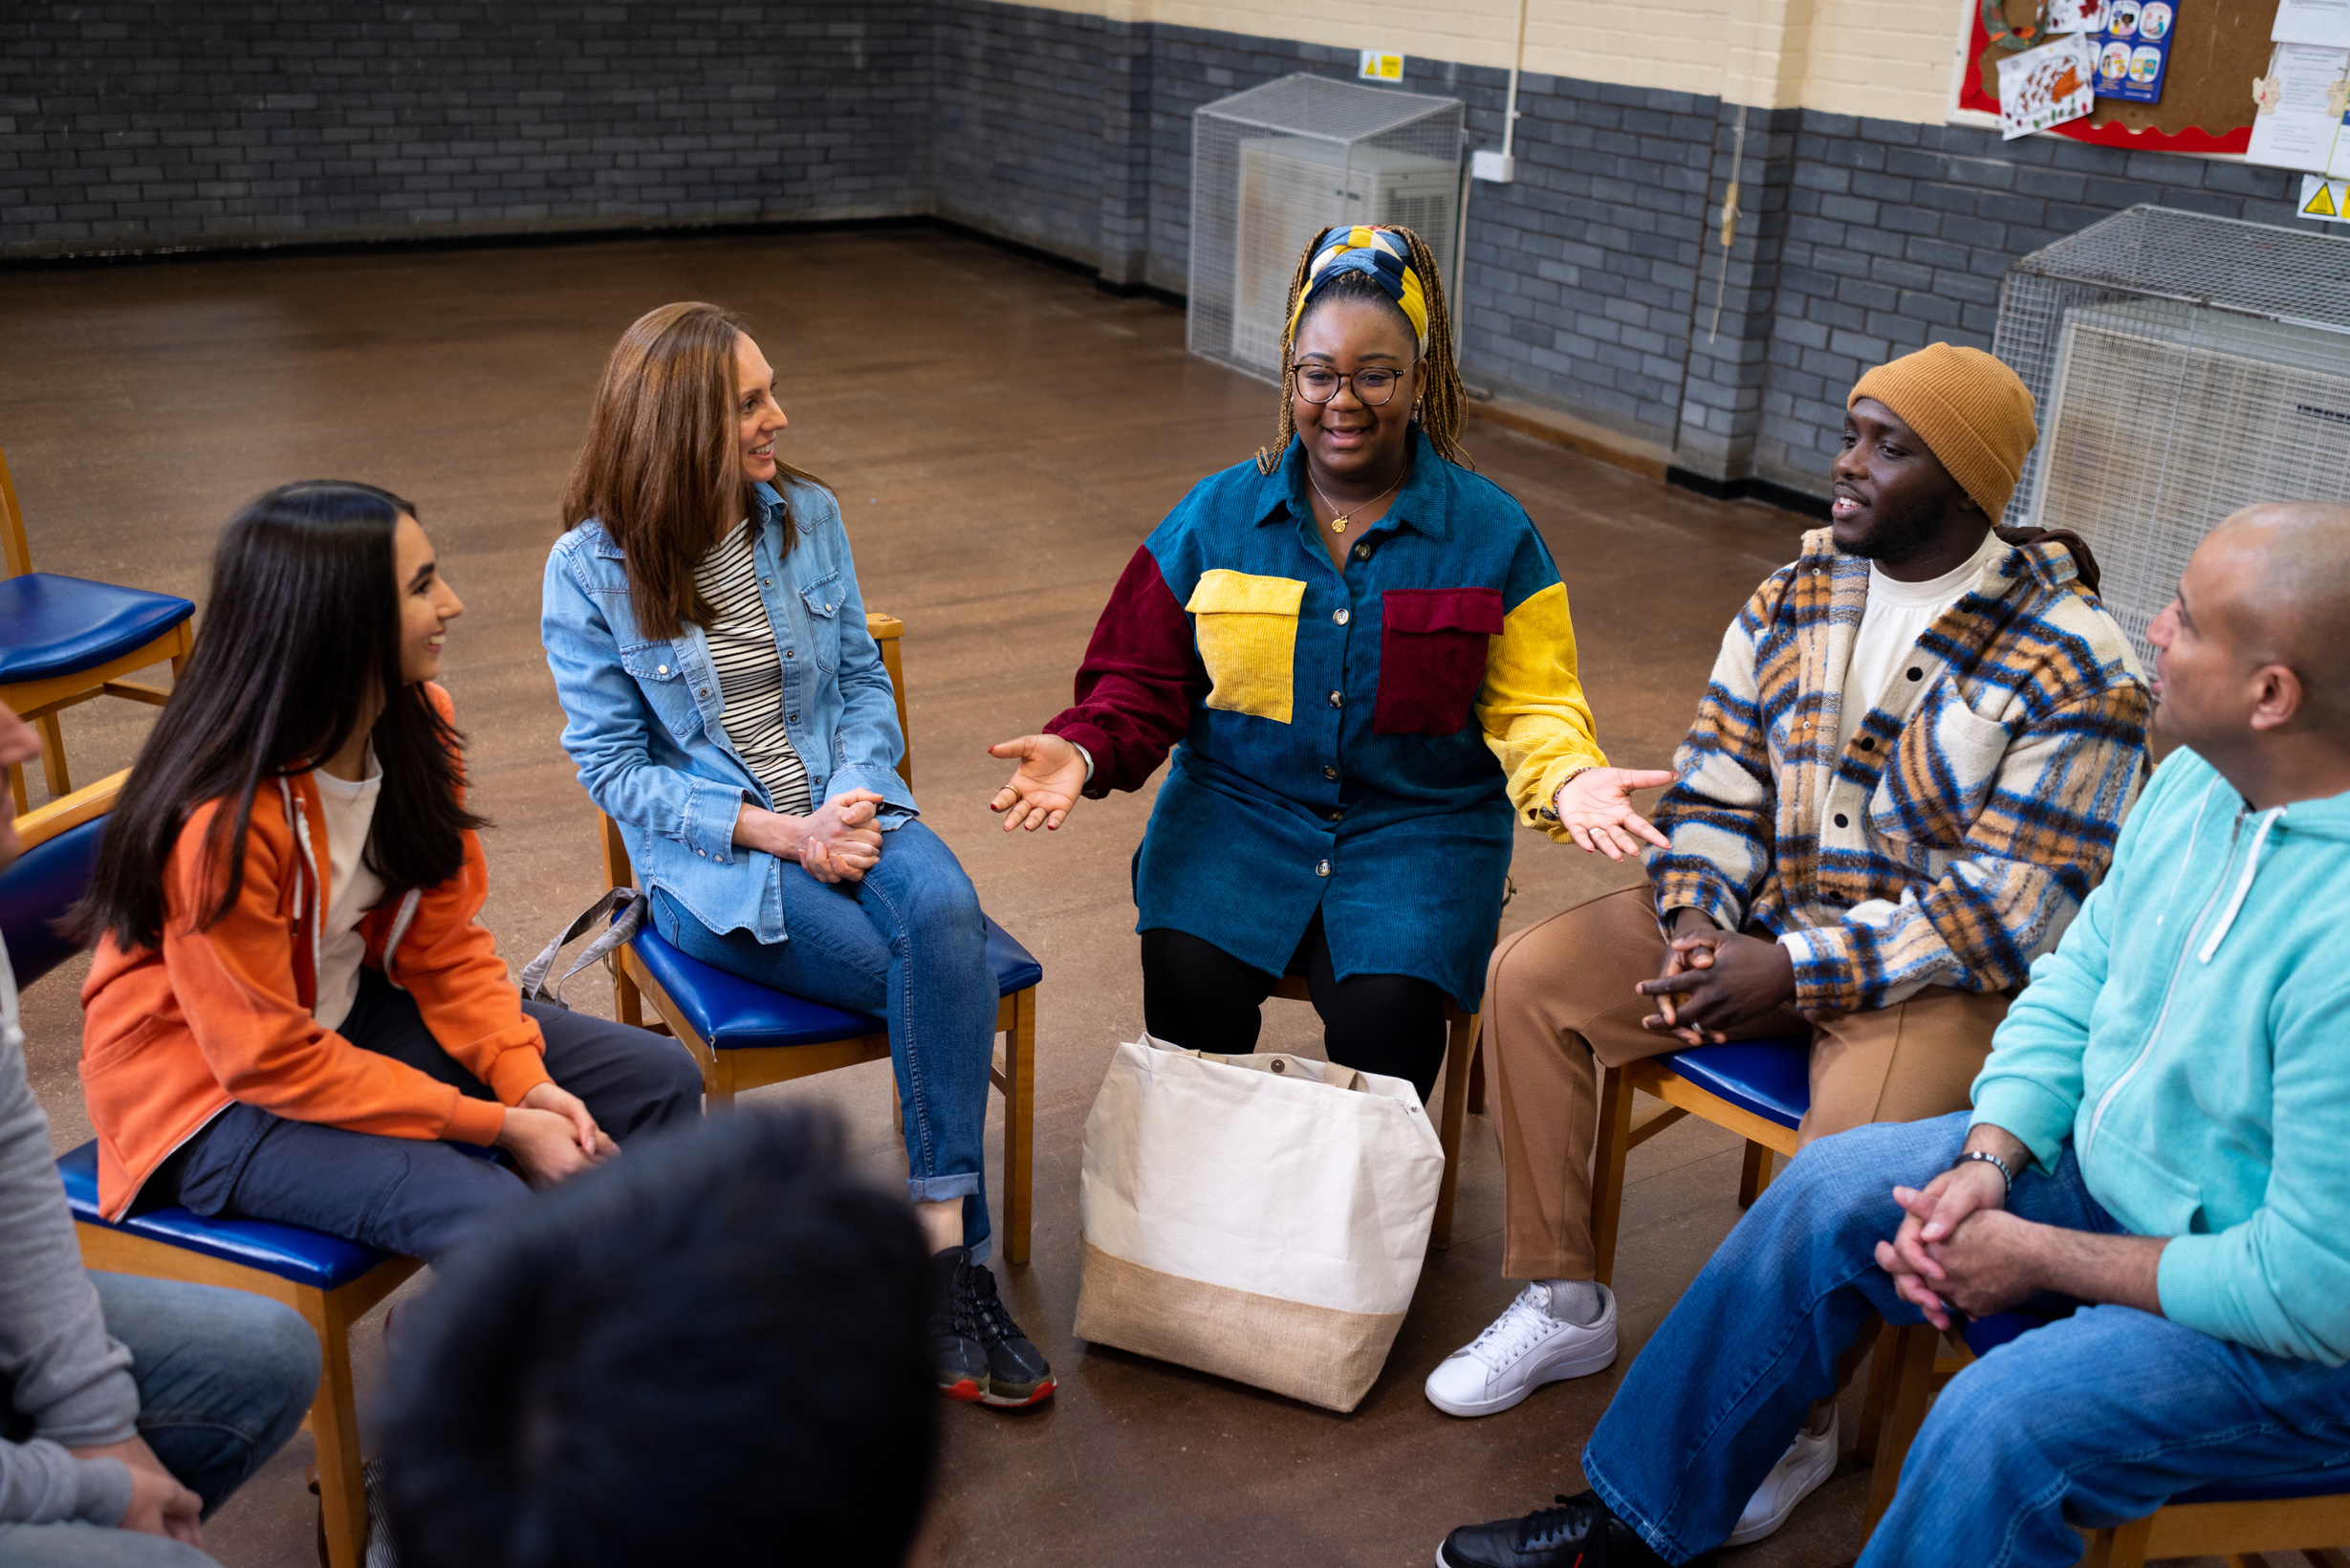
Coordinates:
x,y
1260,1218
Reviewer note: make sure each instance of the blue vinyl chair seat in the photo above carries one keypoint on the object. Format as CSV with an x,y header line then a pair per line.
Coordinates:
x,y
58,625
734,1014
1772,1079
306,1257
1988,1333
46,880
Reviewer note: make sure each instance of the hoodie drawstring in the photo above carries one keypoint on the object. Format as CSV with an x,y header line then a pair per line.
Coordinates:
x,y
2252,865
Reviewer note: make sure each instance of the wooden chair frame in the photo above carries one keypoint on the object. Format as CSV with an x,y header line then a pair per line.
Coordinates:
x,y
725,1074
2236,1533
39,703
333,1415
1620,1135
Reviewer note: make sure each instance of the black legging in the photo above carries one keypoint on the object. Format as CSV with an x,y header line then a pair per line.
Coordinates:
x,y
1198,996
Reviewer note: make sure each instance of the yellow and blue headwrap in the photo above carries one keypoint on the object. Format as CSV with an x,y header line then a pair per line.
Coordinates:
x,y
1380,253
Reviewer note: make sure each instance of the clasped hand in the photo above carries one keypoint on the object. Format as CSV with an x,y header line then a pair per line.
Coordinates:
x,y
1958,1250
552,1136
160,1504
840,840
1714,981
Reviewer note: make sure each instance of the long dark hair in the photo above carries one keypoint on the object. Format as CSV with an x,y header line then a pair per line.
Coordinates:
x,y
303,621
661,468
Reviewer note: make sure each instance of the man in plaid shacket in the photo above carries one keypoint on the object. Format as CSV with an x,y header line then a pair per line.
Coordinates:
x,y
1908,769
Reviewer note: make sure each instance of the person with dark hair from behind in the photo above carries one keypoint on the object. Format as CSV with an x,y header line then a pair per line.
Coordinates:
x,y
295,1012
619,1376
2161,1139
131,1408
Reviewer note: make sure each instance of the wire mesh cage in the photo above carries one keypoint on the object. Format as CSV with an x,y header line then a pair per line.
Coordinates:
x,y
2184,366
1272,167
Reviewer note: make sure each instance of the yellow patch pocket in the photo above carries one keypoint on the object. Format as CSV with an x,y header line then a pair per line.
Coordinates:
x,y
1247,629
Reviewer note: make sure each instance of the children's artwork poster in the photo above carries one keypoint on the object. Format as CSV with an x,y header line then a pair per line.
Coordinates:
x,y
2324,198
2133,49
2047,86
2301,106
2079,15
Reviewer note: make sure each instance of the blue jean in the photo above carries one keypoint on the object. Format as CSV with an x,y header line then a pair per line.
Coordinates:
x,y
414,1196
224,1379
2096,1418
907,943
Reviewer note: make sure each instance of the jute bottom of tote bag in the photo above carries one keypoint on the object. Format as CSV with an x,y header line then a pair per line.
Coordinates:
x,y
1260,1218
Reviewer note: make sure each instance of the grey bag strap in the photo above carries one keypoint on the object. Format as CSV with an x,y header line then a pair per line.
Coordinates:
x,y
626,906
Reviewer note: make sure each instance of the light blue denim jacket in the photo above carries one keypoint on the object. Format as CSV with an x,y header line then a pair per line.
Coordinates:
x,y
642,715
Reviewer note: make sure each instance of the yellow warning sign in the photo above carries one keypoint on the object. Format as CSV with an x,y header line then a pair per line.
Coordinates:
x,y
1381,67
2323,198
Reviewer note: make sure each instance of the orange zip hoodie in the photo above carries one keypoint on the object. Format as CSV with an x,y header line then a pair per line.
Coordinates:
x,y
172,1034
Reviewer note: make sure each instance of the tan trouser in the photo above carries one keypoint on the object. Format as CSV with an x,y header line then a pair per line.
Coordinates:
x,y
1560,993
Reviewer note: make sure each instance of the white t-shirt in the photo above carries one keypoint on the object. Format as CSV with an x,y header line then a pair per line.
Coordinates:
x,y
352,890
1898,614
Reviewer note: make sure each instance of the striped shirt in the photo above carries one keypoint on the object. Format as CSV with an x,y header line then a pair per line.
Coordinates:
x,y
749,675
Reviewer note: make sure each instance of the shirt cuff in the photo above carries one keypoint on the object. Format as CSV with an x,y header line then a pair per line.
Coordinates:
x,y
104,1495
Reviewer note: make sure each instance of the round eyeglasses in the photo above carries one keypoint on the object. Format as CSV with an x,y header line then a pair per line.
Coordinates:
x,y
1373,385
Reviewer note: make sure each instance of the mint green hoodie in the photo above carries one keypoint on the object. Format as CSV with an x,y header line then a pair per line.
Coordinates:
x,y
2191,1036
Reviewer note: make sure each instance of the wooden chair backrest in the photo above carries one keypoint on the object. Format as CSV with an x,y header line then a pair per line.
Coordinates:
x,y
44,822
886,630
15,558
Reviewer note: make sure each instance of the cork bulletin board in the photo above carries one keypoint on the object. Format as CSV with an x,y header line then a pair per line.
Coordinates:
x,y
2218,47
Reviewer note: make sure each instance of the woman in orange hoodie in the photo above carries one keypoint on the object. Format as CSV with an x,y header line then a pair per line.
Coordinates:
x,y
295,1014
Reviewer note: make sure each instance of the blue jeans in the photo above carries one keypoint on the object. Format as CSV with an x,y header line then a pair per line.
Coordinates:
x,y
907,943
408,1195
2096,1418
224,1379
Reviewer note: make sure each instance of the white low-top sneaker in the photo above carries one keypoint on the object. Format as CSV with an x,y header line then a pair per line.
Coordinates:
x,y
1525,1348
1799,1473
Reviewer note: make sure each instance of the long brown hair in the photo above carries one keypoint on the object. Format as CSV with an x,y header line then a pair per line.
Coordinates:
x,y
662,468
1440,404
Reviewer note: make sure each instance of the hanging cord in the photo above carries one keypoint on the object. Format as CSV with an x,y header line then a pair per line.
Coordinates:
x,y
1729,220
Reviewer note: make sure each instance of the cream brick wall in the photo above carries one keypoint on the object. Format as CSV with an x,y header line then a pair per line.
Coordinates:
x,y
1848,57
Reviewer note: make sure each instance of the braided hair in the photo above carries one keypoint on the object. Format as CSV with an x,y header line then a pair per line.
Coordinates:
x,y
1441,409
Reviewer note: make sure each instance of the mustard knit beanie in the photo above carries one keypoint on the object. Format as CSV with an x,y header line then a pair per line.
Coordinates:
x,y
1970,409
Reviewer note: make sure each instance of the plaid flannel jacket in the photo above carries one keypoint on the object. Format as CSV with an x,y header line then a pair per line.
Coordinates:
x,y
1969,812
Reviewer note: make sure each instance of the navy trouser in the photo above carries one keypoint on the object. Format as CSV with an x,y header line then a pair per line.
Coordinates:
x,y
416,1196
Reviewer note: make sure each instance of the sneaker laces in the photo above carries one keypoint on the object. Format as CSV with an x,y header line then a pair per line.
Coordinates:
x,y
993,1325
951,1310
1526,1324
1544,1525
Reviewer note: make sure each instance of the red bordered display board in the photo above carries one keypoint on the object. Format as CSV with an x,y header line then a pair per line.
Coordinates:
x,y
2207,104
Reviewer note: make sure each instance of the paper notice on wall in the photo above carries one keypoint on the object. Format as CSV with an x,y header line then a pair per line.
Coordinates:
x,y
2133,50
2323,198
2324,22
2300,102
2079,16
2045,86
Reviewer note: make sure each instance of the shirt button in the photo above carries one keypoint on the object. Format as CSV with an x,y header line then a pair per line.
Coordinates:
x,y
1362,551
1342,617
1329,771
1841,821
788,654
1321,868
1336,815
791,718
663,670
703,692
1868,743
1916,674
766,582
1337,699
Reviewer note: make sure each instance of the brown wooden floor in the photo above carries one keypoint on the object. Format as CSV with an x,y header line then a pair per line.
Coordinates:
x,y
1002,437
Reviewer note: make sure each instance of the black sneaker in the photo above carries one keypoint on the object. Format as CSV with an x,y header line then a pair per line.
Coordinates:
x,y
1017,1375
1578,1530
956,1350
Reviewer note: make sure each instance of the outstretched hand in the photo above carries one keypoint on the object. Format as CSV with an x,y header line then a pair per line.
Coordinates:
x,y
1048,782
1595,809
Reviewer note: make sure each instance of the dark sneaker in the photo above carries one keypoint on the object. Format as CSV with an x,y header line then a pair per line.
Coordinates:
x,y
1017,1375
1580,1530
956,1350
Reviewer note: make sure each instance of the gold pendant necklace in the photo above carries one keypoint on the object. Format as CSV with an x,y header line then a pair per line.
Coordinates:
x,y
1338,524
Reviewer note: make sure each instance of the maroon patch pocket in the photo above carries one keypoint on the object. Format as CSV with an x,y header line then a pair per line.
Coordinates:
x,y
1432,644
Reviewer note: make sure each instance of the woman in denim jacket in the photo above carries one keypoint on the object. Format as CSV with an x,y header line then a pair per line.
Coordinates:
x,y
727,709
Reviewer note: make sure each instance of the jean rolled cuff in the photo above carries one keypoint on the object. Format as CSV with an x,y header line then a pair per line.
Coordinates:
x,y
940,1188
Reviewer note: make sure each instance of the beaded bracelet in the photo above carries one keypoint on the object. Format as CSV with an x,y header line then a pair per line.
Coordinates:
x,y
1988,1158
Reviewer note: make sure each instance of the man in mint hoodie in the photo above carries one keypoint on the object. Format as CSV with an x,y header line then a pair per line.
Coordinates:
x,y
2162,1132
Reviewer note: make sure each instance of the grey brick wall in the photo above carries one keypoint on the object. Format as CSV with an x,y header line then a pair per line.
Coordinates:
x,y
1594,283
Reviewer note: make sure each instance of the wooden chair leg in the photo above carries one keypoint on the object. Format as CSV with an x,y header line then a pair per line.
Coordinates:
x,y
1882,1365
1019,1125
16,789
334,1426
1912,1351
2124,1546
52,757
627,1001
1755,1174
1476,1083
1460,1050
1607,1171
